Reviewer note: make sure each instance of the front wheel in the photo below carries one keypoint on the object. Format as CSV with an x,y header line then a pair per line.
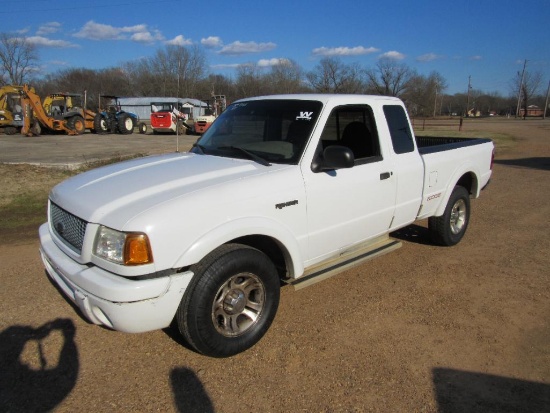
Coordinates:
x,y
101,125
449,228
10,130
142,128
230,302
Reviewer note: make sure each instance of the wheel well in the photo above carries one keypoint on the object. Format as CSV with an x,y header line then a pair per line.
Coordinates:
x,y
269,247
469,182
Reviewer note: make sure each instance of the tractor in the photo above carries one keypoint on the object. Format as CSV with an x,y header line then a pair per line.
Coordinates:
x,y
112,119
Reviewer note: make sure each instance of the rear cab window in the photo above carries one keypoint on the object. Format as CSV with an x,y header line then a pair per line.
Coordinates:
x,y
400,132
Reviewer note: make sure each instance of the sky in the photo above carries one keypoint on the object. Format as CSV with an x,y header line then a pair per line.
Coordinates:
x,y
484,43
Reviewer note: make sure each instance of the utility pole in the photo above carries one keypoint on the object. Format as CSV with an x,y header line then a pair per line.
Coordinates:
x,y
468,101
546,103
435,100
520,87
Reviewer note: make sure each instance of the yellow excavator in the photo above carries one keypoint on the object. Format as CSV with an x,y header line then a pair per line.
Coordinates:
x,y
56,114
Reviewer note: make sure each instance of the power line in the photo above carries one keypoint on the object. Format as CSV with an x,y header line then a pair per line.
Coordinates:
x,y
74,6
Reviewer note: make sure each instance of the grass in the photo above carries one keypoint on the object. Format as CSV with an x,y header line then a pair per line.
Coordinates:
x,y
24,209
20,218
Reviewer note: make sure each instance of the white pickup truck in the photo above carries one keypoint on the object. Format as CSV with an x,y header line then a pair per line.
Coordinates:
x,y
280,189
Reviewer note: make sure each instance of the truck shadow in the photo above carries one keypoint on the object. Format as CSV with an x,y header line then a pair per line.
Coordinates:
x,y
189,393
413,233
542,163
39,366
464,391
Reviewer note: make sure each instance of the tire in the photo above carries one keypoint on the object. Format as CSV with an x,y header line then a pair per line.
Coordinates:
x,y
230,302
449,228
142,128
10,130
125,124
100,124
77,124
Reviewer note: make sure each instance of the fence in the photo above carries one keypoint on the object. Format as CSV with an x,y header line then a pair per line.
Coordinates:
x,y
422,124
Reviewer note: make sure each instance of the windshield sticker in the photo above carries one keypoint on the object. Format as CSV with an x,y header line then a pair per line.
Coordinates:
x,y
304,116
238,105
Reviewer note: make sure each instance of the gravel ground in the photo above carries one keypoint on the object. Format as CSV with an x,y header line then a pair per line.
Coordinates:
x,y
423,329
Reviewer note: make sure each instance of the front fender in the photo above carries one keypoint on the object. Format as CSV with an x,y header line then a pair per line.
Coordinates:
x,y
240,228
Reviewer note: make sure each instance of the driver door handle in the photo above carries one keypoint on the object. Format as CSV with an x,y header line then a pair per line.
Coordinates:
x,y
385,175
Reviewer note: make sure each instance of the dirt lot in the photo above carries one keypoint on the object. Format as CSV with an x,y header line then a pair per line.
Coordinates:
x,y
423,329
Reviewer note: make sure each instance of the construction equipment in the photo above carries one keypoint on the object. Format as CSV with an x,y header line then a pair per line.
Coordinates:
x,y
113,119
218,105
35,117
11,110
169,117
65,106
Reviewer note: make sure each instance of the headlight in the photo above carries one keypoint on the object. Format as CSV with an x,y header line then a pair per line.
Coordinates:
x,y
123,248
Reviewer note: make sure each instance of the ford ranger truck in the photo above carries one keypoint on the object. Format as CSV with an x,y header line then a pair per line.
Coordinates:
x,y
285,189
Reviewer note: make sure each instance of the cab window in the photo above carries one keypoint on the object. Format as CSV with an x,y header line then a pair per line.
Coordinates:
x,y
353,127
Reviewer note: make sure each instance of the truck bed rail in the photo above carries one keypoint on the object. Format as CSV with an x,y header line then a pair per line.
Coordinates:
x,y
431,144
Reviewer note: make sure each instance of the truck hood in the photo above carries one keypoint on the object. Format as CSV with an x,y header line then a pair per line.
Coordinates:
x,y
114,194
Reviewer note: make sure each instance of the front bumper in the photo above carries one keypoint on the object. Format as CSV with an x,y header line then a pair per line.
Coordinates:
x,y
123,304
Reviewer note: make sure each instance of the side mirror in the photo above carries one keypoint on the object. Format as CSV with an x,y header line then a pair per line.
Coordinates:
x,y
334,157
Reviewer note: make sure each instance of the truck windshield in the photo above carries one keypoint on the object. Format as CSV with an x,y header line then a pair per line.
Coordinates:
x,y
276,131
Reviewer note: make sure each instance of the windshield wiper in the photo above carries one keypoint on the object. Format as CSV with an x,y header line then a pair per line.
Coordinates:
x,y
251,155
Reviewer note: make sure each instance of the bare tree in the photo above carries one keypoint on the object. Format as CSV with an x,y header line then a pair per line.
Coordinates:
x,y
18,58
250,81
219,84
286,77
145,82
527,89
92,83
389,77
331,75
173,71
423,94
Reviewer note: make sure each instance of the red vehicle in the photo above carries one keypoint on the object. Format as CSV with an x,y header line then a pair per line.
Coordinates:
x,y
202,123
167,118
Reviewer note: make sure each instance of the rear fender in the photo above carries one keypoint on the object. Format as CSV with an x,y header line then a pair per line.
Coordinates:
x,y
467,169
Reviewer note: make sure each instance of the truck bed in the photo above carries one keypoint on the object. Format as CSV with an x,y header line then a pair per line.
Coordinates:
x,y
431,144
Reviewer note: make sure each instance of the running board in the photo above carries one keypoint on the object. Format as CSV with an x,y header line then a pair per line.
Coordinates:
x,y
347,259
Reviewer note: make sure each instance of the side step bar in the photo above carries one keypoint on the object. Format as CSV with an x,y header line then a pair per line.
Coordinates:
x,y
347,259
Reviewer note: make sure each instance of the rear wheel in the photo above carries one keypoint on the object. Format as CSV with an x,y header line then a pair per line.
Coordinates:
x,y
230,302
449,228
77,124
125,124
100,124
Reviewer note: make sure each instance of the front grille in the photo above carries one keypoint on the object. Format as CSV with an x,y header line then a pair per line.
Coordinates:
x,y
68,227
